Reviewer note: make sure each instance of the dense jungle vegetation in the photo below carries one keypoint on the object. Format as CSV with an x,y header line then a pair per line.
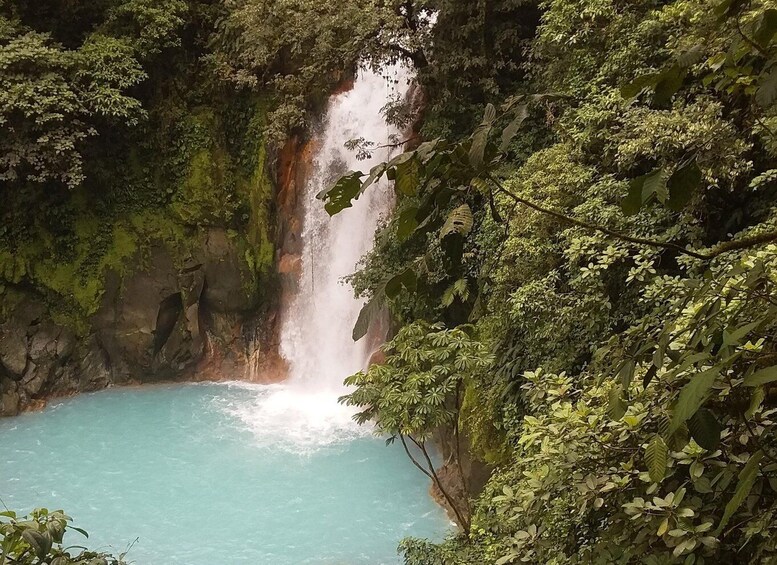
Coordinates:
x,y
581,265
117,133
586,286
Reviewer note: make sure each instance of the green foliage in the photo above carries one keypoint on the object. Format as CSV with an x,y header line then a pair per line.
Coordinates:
x,y
301,49
56,97
418,391
38,538
152,25
149,148
51,98
629,409
411,393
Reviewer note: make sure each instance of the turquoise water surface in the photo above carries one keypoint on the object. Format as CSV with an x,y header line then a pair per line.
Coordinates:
x,y
216,474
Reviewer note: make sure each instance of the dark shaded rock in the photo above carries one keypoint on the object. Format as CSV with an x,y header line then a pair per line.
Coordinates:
x,y
153,323
50,347
228,284
13,351
93,369
142,324
170,310
462,480
451,481
34,378
9,398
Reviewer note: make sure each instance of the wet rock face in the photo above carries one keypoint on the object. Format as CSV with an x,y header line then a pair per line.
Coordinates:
x,y
39,358
142,325
228,285
9,398
154,324
146,323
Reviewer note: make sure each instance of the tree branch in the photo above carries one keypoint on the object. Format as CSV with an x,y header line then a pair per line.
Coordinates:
x,y
458,443
416,463
462,521
756,439
748,40
587,225
719,249
418,57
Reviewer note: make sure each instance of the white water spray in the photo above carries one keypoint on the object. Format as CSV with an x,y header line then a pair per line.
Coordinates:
x,y
303,413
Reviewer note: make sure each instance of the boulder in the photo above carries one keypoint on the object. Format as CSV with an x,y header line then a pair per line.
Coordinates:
x,y
9,398
13,350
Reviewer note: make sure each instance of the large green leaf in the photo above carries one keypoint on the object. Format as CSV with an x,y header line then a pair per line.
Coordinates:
x,y
683,182
728,8
406,279
655,183
375,173
459,222
691,56
617,406
40,543
705,429
642,189
369,311
407,222
631,89
626,373
767,28
736,336
342,193
766,95
747,477
480,137
762,377
669,83
407,177
756,399
521,113
632,202
692,396
656,457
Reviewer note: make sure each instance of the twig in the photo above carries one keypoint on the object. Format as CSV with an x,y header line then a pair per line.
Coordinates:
x,y
462,521
397,144
748,40
416,463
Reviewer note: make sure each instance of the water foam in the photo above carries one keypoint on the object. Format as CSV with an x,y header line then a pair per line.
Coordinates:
x,y
291,419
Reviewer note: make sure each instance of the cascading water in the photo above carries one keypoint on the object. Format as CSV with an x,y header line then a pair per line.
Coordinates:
x,y
316,327
316,332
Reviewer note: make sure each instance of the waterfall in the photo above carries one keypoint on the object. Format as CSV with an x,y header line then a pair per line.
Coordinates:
x,y
316,330
303,413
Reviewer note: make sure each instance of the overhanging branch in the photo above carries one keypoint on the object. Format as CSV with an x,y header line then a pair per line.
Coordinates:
x,y
743,243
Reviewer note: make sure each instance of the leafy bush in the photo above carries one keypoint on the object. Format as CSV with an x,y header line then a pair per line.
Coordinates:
x,y
418,390
38,538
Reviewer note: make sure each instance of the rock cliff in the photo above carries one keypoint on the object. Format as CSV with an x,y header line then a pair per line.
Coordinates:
x,y
160,321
